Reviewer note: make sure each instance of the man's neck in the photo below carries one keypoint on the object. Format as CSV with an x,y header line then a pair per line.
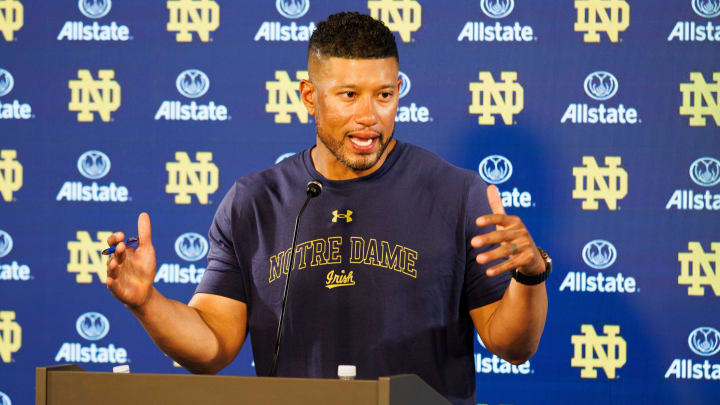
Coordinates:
x,y
332,169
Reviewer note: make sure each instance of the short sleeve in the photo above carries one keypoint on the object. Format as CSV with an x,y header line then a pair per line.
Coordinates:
x,y
479,289
224,275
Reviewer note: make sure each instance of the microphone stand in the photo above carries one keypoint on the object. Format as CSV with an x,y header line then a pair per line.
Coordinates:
x,y
314,188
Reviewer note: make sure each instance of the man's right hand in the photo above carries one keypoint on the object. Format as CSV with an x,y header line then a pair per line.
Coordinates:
x,y
130,272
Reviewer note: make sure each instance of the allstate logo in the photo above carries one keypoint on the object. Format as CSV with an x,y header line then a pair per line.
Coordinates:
x,y
704,341
706,8
705,171
599,254
92,326
93,164
6,82
479,339
404,84
191,246
600,85
495,169
292,8
497,8
283,157
94,8
192,83
6,243
4,399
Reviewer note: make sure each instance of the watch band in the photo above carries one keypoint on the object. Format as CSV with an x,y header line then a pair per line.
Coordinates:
x,y
537,279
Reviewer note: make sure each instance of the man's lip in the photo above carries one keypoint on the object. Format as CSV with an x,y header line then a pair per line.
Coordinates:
x,y
364,135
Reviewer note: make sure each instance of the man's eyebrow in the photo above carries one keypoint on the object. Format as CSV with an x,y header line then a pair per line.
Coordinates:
x,y
355,86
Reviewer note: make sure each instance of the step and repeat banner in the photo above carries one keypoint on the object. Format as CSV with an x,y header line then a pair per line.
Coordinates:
x,y
599,120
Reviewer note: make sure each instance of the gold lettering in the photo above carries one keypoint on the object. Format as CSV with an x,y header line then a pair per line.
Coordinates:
x,y
392,260
301,250
276,262
411,258
371,255
319,253
357,249
334,256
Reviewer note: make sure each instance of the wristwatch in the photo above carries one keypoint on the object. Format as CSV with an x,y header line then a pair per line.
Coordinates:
x,y
534,280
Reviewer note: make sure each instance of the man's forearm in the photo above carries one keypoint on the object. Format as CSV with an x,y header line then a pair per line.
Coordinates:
x,y
518,322
180,331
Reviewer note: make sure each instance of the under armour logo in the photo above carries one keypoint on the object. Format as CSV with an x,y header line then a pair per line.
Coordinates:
x,y
347,216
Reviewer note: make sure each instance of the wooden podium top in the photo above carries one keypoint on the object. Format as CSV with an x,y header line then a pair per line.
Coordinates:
x,y
71,385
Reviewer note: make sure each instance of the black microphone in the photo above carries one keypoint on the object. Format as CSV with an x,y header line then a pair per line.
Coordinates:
x,y
314,188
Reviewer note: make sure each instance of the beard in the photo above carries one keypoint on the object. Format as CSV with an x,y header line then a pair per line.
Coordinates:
x,y
350,160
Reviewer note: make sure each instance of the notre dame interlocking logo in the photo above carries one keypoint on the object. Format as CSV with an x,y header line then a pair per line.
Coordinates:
x,y
401,16
699,269
10,336
591,351
88,95
199,16
11,174
11,18
701,98
609,16
593,183
186,177
347,216
86,256
489,97
284,97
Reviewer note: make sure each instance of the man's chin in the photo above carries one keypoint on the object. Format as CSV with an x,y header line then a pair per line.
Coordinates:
x,y
360,165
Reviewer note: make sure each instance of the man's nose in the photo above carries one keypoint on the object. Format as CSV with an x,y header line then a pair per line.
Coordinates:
x,y
365,113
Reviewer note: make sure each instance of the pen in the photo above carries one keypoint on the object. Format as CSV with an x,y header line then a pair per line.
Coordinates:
x,y
130,242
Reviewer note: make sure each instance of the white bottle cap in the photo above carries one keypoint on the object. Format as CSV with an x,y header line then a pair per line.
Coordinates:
x,y
346,372
125,369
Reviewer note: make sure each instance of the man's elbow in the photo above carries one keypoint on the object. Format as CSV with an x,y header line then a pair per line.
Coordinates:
x,y
519,359
518,356
209,366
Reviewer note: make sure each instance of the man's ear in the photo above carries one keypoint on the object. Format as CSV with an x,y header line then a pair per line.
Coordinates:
x,y
307,94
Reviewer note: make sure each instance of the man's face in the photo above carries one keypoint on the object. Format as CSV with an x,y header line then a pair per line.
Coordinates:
x,y
354,104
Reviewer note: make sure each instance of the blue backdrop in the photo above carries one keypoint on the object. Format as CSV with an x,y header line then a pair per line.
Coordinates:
x,y
598,119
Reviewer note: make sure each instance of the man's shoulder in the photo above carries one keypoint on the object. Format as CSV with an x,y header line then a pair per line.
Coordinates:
x,y
432,166
274,180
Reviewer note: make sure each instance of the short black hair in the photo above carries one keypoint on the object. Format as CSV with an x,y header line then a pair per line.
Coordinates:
x,y
353,35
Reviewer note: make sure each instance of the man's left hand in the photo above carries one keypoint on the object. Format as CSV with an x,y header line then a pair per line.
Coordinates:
x,y
515,241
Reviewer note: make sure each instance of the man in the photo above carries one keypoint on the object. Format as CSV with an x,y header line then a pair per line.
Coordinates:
x,y
398,262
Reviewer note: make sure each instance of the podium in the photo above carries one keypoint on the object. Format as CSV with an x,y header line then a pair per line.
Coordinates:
x,y
71,385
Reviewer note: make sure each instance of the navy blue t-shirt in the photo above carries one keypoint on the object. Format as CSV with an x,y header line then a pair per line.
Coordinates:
x,y
384,273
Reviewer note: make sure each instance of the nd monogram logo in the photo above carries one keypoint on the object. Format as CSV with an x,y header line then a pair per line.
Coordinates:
x,y
592,182
88,95
198,16
490,97
284,97
591,351
347,216
86,256
11,18
401,16
701,98
10,335
186,177
609,16
11,174
699,269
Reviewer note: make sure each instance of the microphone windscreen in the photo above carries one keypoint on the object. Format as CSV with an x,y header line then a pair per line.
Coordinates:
x,y
314,187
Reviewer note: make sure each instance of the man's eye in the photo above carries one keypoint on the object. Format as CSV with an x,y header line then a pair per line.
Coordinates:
x,y
386,95
349,94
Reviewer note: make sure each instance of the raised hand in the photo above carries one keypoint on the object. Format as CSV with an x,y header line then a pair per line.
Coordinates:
x,y
515,241
130,272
